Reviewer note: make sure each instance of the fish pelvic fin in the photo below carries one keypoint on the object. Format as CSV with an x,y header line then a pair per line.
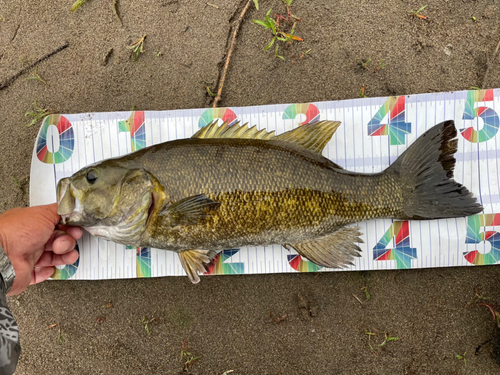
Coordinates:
x,y
195,262
313,136
335,250
190,210
425,170
213,130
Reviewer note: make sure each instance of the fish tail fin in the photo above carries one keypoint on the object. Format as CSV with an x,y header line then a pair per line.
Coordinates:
x,y
426,171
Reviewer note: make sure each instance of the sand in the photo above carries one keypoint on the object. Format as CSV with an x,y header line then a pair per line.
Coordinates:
x,y
261,324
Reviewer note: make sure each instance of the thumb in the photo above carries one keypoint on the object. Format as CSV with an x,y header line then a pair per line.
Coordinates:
x,y
49,212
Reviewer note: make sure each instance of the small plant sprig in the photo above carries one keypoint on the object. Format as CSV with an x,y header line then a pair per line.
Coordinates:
x,y
416,13
187,356
279,34
479,300
209,86
37,112
37,77
147,322
363,63
381,65
362,91
19,183
137,48
76,5
59,336
462,358
387,338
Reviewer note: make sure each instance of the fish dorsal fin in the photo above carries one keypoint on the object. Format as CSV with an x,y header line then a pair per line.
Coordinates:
x,y
313,136
212,130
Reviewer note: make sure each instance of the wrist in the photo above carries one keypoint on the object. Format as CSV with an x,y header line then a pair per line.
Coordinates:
x,y
7,272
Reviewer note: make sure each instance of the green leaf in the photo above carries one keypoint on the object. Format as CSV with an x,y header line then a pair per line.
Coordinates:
x,y
273,26
261,23
256,2
77,5
270,44
421,9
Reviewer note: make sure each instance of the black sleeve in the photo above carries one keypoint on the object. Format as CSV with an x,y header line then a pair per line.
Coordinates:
x,y
10,348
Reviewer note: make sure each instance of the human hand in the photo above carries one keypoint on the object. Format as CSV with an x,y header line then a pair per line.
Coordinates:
x,y
34,243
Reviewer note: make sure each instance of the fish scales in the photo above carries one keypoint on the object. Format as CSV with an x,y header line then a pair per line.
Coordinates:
x,y
230,187
268,192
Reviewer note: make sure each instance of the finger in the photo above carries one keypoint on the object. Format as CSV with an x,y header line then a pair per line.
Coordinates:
x,y
41,274
55,234
75,232
60,243
63,245
49,211
48,258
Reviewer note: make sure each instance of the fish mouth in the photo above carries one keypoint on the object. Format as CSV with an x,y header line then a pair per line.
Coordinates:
x,y
68,205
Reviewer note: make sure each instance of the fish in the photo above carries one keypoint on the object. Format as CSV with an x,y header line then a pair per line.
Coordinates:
x,y
236,186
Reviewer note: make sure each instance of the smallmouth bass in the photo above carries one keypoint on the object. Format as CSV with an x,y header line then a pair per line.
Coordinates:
x,y
228,187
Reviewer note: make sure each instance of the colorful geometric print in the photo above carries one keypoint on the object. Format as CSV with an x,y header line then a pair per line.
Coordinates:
x,y
490,118
397,127
68,270
225,114
135,125
298,264
66,140
402,253
142,260
474,224
219,267
308,109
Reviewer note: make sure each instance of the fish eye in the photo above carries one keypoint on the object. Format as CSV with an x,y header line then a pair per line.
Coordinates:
x,y
92,176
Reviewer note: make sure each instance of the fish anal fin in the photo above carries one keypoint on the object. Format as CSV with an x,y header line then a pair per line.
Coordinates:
x,y
335,250
313,136
195,262
190,210
213,130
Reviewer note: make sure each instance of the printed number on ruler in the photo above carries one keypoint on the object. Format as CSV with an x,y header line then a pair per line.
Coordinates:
x,y
142,260
397,128
66,140
220,267
309,110
211,114
490,119
402,253
136,126
474,235
298,264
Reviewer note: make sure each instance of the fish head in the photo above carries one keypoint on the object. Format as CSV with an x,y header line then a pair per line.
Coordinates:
x,y
105,196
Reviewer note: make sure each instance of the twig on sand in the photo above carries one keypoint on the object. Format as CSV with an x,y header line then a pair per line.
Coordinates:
x,y
490,63
9,81
230,51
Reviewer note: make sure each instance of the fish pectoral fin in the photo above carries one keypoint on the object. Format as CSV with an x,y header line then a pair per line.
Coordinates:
x,y
213,130
313,136
334,250
190,210
195,262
